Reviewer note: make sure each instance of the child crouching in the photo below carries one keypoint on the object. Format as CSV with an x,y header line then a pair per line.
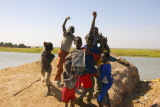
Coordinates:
x,y
69,79
46,60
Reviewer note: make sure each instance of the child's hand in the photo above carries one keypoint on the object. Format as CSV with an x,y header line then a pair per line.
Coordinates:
x,y
72,77
94,14
68,18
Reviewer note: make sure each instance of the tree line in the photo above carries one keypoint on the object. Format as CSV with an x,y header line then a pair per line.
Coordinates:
x,y
9,44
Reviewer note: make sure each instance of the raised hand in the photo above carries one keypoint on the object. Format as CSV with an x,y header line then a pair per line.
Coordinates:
x,y
94,14
68,18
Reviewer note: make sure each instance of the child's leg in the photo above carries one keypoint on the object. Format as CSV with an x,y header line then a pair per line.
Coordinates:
x,y
61,59
72,103
104,90
48,74
49,90
48,83
66,104
83,94
98,85
43,74
100,104
107,100
91,90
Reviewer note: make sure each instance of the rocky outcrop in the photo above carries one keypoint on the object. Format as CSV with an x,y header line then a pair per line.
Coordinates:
x,y
125,80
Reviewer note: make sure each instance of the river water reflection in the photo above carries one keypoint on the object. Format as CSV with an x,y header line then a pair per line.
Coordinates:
x,y
149,68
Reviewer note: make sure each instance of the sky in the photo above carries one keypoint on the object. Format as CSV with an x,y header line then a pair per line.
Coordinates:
x,y
126,23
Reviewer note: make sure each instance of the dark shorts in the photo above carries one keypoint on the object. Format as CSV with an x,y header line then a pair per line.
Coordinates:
x,y
68,94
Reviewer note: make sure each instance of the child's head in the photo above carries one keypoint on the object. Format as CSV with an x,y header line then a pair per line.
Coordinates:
x,y
105,57
68,65
48,46
78,42
89,39
95,30
71,29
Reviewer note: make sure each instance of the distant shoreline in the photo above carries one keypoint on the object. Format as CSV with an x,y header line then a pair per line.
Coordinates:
x,y
155,53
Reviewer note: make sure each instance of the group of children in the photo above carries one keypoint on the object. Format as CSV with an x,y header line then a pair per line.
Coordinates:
x,y
97,66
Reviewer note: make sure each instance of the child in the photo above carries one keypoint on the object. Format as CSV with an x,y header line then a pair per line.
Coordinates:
x,y
82,75
105,78
98,38
69,79
46,60
66,44
92,56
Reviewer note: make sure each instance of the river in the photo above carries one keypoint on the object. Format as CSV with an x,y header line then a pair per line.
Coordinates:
x,y
149,68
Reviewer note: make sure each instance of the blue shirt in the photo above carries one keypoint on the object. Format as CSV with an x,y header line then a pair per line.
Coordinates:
x,y
89,59
105,70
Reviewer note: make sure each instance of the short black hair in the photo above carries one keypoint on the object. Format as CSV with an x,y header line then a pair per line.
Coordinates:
x,y
96,28
89,36
68,62
49,46
71,28
77,37
107,54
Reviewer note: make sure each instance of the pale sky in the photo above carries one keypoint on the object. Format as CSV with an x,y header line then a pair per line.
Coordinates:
x,y
126,23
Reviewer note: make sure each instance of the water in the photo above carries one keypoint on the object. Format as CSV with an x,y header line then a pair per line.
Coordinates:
x,y
11,59
149,68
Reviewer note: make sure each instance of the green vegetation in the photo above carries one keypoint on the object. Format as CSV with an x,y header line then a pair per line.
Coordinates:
x,y
119,52
137,52
27,50
9,44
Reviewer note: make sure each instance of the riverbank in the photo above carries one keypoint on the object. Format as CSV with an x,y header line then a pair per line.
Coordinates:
x,y
21,86
119,52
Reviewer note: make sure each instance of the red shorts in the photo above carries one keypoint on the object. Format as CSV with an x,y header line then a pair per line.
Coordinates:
x,y
68,94
87,83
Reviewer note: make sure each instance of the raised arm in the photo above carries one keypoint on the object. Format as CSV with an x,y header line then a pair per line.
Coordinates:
x,y
64,24
93,22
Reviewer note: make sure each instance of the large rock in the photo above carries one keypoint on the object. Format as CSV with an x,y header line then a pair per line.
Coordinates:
x,y
125,80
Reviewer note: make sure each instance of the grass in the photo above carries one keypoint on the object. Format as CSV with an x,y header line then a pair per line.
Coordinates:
x,y
137,52
27,50
119,52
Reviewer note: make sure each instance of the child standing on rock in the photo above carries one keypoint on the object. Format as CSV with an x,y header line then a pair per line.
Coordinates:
x,y
66,44
46,60
69,79
105,78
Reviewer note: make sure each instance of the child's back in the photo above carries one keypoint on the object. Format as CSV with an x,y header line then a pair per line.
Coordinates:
x,y
46,60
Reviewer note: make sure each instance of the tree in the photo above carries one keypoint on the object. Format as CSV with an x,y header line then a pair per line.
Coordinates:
x,y
1,44
9,44
22,45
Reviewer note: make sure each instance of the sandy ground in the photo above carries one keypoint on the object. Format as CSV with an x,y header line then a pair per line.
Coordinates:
x,y
22,87
145,94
